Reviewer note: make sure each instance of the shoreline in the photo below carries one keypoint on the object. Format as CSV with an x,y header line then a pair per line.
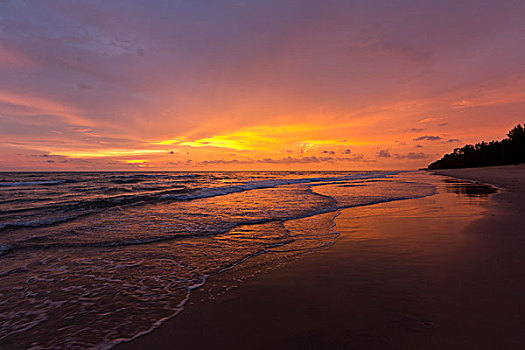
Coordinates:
x,y
374,287
509,177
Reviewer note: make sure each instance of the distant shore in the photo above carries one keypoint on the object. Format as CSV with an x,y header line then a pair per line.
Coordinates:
x,y
441,272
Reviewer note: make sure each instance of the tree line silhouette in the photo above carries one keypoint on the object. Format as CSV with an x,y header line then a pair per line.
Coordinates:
x,y
510,150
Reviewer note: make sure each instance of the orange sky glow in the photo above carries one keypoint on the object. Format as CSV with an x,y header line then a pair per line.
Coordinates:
x,y
255,85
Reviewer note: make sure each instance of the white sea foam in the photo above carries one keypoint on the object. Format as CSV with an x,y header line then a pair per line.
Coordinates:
x,y
261,184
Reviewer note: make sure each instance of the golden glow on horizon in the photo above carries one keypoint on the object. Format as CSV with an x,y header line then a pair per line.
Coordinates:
x,y
267,138
334,141
262,141
252,138
136,161
239,140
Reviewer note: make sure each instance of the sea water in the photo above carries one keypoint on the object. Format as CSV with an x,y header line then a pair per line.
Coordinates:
x,y
88,260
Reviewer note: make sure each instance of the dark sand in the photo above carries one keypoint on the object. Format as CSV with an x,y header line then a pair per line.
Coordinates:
x,y
442,272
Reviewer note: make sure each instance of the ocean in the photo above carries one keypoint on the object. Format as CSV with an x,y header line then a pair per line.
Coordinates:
x,y
89,260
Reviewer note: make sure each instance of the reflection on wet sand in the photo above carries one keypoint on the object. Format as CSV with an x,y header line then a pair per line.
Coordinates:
x,y
468,188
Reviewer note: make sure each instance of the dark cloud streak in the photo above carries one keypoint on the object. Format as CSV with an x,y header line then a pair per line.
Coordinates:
x,y
428,138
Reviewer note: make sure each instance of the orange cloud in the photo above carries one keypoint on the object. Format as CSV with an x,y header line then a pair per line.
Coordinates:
x,y
105,153
494,98
44,106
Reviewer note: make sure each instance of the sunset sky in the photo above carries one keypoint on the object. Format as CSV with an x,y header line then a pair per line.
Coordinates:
x,y
270,84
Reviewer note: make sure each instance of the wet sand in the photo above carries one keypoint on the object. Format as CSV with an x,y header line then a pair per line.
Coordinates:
x,y
509,177
441,272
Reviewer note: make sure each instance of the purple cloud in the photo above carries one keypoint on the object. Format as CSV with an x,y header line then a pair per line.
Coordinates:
x,y
384,153
428,138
